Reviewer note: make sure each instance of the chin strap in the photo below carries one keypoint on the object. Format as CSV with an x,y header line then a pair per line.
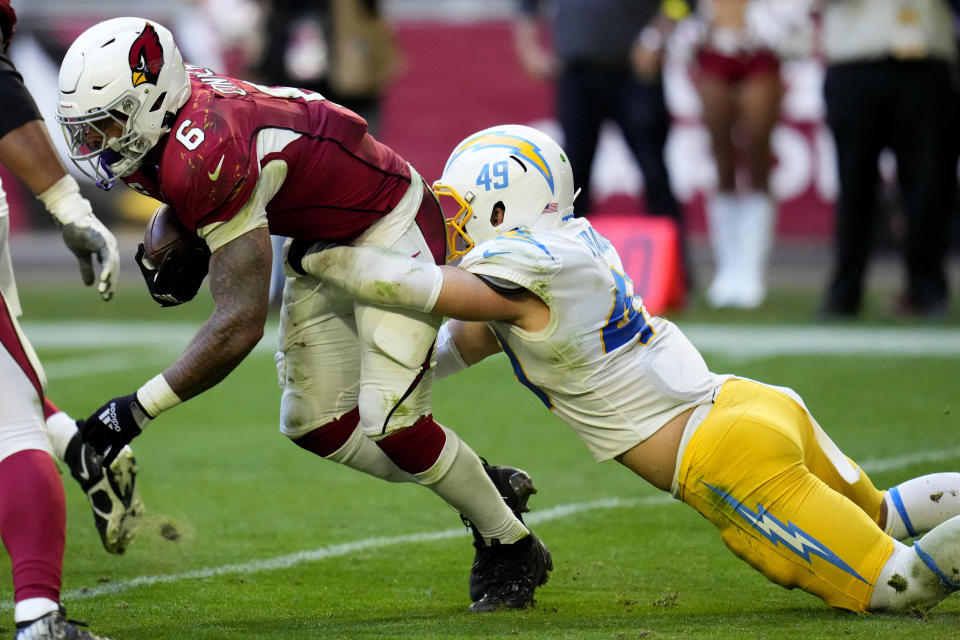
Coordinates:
x,y
107,158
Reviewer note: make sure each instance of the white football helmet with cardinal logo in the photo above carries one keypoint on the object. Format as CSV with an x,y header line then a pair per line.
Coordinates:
x,y
128,71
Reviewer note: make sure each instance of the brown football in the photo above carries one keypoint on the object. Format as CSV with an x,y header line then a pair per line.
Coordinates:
x,y
165,232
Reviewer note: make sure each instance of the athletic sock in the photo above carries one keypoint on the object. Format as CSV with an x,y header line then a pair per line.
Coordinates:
x,y
60,431
33,526
918,577
456,475
918,505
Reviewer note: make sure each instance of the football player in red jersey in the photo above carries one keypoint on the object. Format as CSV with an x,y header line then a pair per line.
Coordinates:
x,y
32,429
238,162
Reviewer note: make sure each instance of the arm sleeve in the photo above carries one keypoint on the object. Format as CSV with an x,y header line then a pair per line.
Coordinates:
x,y
378,276
18,105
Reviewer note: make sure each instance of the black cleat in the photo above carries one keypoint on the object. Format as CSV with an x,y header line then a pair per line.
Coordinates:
x,y
511,573
112,492
516,487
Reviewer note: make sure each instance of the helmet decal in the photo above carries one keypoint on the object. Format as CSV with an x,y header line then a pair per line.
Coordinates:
x,y
520,146
146,57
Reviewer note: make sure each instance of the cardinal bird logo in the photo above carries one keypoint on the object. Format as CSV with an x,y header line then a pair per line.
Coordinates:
x,y
146,57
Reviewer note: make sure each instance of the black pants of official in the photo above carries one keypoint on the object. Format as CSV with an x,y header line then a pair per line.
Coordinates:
x,y
587,96
908,107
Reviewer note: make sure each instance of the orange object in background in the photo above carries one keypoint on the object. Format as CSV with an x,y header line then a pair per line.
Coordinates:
x,y
650,250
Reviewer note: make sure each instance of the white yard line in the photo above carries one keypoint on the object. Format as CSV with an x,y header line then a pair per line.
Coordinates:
x,y
741,340
348,548
558,512
732,341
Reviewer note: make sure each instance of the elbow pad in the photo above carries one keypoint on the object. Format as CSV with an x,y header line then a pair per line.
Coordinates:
x,y
377,276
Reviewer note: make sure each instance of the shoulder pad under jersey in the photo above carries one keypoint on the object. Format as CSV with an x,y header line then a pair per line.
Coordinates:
x,y
517,256
209,167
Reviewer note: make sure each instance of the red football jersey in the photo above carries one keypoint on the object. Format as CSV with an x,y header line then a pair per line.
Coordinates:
x,y
339,178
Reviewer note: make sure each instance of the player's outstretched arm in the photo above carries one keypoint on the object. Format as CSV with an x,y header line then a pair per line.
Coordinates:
x,y
390,278
240,284
28,152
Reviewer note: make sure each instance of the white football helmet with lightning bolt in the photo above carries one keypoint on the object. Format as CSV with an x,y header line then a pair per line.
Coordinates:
x,y
503,178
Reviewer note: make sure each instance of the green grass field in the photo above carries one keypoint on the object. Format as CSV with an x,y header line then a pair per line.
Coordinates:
x,y
247,536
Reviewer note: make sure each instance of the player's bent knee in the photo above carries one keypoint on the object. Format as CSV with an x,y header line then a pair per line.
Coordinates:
x,y
415,448
327,439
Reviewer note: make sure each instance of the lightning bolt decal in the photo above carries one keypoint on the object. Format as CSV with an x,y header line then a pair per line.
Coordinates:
x,y
520,146
523,235
789,535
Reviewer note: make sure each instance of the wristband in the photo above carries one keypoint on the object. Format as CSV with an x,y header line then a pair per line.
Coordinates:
x,y
156,396
64,202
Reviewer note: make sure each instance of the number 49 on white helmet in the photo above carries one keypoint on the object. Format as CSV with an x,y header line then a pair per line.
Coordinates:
x,y
503,178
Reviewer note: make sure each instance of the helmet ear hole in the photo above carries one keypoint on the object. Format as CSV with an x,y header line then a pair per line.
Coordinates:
x,y
158,102
498,213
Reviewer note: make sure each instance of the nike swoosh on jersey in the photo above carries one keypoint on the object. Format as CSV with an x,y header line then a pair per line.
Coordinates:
x,y
213,175
489,253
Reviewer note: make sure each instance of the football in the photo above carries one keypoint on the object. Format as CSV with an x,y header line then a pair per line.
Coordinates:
x,y
165,232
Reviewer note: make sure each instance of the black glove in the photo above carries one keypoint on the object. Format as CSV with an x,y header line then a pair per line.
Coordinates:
x,y
114,425
295,250
178,278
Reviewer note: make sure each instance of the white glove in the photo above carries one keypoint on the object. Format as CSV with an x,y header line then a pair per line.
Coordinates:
x,y
83,233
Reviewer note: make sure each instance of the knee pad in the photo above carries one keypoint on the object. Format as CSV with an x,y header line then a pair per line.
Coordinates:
x,y
415,448
325,440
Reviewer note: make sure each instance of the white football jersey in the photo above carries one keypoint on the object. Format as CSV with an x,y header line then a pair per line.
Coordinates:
x,y
602,364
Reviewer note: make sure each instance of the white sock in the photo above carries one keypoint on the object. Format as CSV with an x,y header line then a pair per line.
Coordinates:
x,y
60,430
33,608
755,226
918,505
361,453
920,576
722,225
458,477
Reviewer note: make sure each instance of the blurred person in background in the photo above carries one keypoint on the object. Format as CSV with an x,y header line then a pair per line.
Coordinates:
x,y
32,429
598,78
890,83
736,70
343,49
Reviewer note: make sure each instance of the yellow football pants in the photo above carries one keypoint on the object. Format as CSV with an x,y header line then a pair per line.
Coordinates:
x,y
755,468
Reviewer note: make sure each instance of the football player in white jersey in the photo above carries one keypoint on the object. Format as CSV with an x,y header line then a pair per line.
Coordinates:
x,y
550,292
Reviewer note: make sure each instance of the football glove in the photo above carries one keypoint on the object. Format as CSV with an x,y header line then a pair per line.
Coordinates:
x,y
294,250
84,234
113,426
178,278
